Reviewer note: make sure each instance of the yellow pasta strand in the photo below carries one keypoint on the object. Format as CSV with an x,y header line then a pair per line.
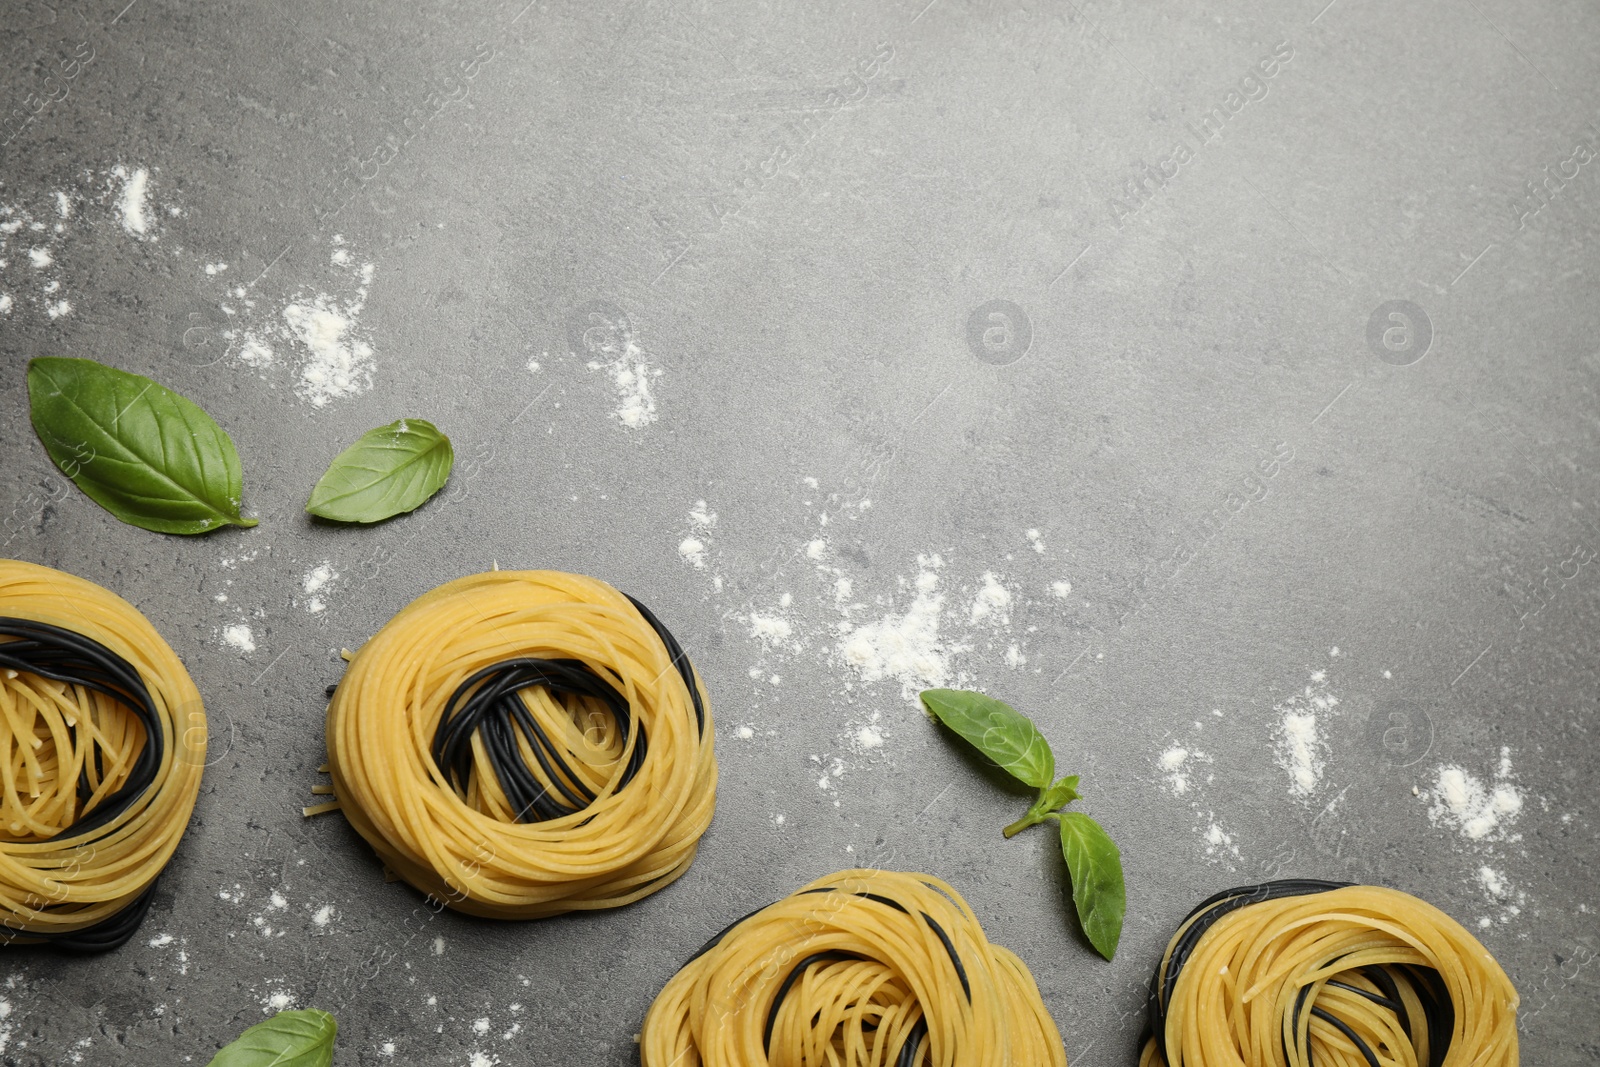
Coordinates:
x,y
854,970
462,841
65,749
1331,976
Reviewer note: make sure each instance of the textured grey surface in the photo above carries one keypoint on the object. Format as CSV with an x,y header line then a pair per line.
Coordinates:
x,y
799,252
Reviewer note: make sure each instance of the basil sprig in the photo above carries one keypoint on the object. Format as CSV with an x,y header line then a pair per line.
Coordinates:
x,y
147,455
1012,741
288,1039
389,470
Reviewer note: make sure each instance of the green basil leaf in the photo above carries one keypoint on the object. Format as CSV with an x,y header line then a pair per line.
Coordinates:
x,y
288,1039
1059,795
147,455
996,729
1098,891
390,470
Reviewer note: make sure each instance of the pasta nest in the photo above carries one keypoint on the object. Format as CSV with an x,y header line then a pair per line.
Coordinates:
x,y
519,744
102,745
863,968
1303,972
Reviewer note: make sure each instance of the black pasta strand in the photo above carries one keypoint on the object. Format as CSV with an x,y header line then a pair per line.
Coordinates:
x,y
488,705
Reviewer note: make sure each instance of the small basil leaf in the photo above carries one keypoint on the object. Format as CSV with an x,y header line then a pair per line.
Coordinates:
x,y
1097,887
1059,795
996,729
147,455
390,470
288,1039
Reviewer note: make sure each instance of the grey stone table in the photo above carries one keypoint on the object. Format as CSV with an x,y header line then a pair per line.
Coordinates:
x,y
1218,386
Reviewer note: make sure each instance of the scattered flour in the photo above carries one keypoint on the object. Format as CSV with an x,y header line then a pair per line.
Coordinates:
x,y
992,603
338,363
693,550
869,737
277,1000
771,630
133,204
1172,764
40,258
161,941
905,646
1302,750
316,580
5,303
1219,841
1477,810
332,358
1014,657
744,733
702,516
631,374
239,637
323,915
1299,751
696,547
58,308
1036,540
1061,589
319,576
63,205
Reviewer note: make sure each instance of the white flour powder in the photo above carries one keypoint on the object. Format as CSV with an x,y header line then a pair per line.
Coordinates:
x,y
693,550
133,203
992,603
1477,810
905,646
631,374
1172,763
1302,750
239,637
339,363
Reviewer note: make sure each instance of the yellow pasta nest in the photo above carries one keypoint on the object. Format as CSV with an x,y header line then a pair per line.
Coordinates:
x,y
859,969
1304,973
520,744
102,743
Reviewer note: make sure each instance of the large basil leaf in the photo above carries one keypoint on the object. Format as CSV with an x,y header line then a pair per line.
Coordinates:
x,y
996,729
147,455
387,471
1097,887
288,1039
